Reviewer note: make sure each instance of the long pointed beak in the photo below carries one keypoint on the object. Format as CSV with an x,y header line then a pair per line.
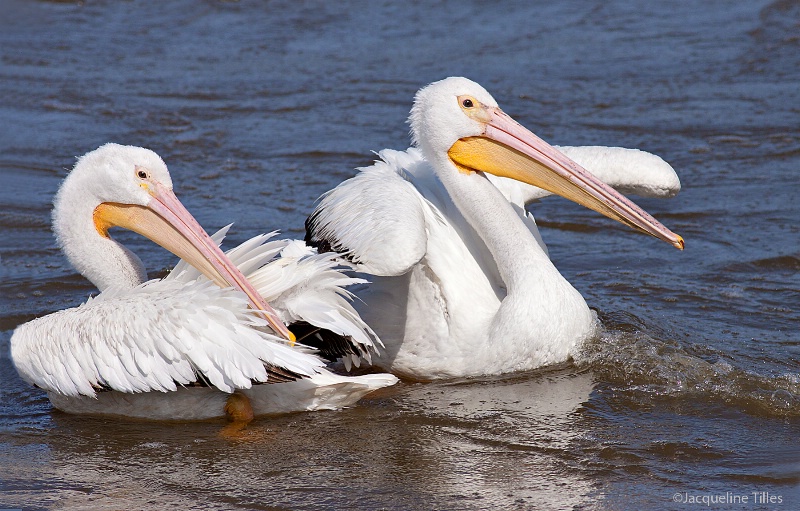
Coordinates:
x,y
508,149
168,223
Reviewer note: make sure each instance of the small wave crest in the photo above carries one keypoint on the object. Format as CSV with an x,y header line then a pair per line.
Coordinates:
x,y
644,362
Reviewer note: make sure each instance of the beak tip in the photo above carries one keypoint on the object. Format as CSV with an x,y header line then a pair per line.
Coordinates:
x,y
678,243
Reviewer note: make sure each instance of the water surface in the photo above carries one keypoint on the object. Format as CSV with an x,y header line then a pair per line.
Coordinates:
x,y
259,107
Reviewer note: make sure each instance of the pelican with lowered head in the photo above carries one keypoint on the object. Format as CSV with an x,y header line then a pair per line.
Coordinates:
x,y
203,342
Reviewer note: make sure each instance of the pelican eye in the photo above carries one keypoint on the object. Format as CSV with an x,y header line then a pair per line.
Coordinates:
x,y
142,174
473,108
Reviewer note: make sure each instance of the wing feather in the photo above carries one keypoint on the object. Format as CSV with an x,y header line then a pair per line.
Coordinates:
x,y
151,337
184,329
631,171
374,219
308,287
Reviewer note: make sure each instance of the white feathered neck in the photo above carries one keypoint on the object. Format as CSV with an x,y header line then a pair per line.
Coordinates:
x,y
103,175
437,122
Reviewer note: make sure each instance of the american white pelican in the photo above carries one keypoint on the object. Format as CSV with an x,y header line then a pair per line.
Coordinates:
x,y
187,346
461,282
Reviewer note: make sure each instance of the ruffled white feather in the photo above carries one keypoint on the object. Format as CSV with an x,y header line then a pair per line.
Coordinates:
x,y
164,333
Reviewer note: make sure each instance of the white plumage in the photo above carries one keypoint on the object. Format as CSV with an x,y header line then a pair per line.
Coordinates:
x,y
132,349
461,281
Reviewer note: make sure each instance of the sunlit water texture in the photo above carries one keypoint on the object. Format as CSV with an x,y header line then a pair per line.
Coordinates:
x,y
692,389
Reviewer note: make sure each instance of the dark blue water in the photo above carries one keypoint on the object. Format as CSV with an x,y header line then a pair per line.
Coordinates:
x,y
259,107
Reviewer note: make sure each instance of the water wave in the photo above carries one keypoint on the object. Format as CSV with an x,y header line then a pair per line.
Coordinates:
x,y
644,361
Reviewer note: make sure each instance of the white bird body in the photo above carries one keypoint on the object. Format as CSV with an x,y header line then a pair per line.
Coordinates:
x,y
321,391
461,283
178,347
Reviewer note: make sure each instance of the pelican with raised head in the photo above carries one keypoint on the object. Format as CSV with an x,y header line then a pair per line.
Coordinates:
x,y
461,282
203,342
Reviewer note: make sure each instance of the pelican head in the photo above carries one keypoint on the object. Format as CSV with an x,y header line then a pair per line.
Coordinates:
x,y
457,117
130,187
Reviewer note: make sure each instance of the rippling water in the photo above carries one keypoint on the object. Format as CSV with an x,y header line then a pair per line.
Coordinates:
x,y
693,389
